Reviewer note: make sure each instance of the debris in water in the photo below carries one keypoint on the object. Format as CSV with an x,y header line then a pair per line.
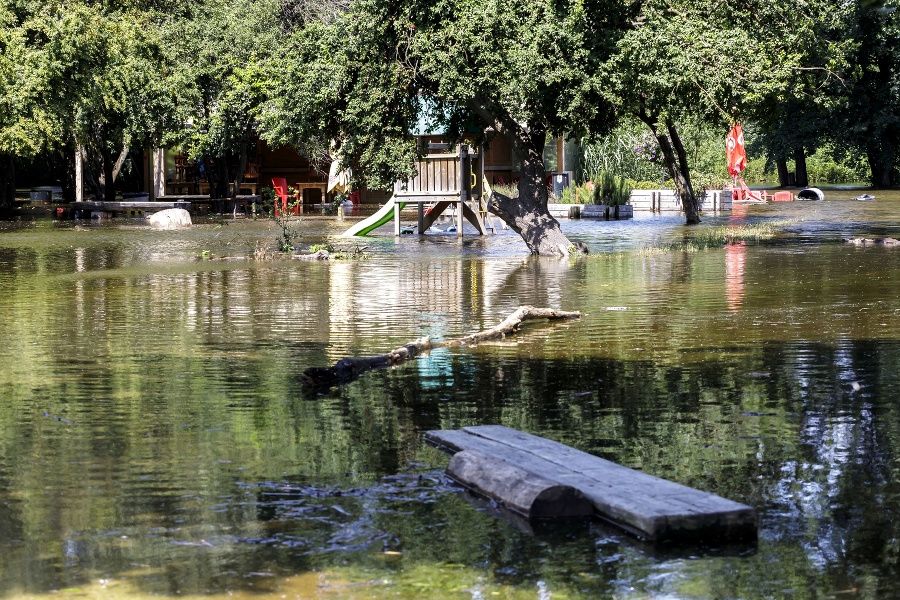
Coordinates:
x,y
60,419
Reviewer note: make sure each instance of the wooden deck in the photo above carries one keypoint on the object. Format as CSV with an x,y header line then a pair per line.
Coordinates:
x,y
127,207
649,507
668,201
191,203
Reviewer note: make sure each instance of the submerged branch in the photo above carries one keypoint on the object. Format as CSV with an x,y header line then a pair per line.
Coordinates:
x,y
349,369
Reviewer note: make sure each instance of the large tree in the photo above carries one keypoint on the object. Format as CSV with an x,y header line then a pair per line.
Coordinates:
x,y
365,76
793,120
87,75
867,115
715,60
225,48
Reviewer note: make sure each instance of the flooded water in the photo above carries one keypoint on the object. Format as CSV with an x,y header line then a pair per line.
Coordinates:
x,y
155,437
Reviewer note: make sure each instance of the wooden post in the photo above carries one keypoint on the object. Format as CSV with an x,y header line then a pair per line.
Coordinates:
x,y
396,217
420,207
463,186
79,173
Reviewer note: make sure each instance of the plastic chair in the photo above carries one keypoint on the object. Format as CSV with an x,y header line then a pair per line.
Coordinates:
x,y
748,194
281,202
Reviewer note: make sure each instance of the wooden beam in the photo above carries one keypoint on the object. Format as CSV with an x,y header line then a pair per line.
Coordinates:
x,y
649,507
518,490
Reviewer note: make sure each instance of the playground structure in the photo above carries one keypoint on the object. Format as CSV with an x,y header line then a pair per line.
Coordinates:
x,y
443,180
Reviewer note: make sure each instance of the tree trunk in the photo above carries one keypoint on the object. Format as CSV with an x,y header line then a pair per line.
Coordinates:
x,y
89,177
117,167
242,164
108,166
67,175
781,164
136,179
880,165
221,177
802,177
689,200
528,215
677,164
7,184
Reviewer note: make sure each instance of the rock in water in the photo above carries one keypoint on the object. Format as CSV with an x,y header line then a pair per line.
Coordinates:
x,y
170,218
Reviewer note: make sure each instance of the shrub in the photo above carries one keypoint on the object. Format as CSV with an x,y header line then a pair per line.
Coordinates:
x,y
610,190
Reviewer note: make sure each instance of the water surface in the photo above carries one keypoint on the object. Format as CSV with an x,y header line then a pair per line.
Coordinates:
x,y
155,438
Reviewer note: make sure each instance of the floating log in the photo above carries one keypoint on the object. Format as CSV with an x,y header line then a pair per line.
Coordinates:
x,y
348,369
522,492
649,507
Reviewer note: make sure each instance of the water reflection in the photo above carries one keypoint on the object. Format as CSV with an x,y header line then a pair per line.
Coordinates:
x,y
154,435
735,263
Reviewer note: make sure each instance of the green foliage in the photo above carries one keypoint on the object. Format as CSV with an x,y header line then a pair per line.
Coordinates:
x,y
866,112
630,151
267,196
290,231
365,77
617,152
826,165
647,185
611,190
85,73
353,253
576,194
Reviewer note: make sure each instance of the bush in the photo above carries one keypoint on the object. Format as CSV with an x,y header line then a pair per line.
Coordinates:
x,y
611,190
576,194
625,151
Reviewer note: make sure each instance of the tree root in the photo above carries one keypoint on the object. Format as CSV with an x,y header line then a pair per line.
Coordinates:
x,y
349,369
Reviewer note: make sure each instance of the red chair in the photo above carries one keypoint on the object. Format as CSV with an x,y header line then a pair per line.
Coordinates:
x,y
281,202
745,193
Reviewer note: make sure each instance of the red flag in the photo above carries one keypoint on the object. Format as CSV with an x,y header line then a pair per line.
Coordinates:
x,y
734,151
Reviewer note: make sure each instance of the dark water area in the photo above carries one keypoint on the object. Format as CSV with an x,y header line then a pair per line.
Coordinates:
x,y
155,437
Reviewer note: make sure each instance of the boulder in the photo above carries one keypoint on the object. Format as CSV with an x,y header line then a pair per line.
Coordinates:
x,y
170,218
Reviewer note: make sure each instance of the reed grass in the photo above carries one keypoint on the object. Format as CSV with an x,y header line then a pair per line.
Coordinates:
x,y
716,237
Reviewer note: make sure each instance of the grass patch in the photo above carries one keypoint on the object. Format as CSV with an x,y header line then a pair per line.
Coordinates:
x,y
722,235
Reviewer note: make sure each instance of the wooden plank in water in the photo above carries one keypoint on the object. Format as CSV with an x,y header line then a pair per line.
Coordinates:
x,y
653,508
522,492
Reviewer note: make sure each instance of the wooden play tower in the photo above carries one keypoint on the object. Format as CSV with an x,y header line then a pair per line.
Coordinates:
x,y
443,180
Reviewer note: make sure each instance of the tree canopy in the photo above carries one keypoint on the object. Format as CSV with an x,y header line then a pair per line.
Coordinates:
x,y
357,76
83,74
365,77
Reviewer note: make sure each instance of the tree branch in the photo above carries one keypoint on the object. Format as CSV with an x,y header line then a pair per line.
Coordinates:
x,y
349,369
120,161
